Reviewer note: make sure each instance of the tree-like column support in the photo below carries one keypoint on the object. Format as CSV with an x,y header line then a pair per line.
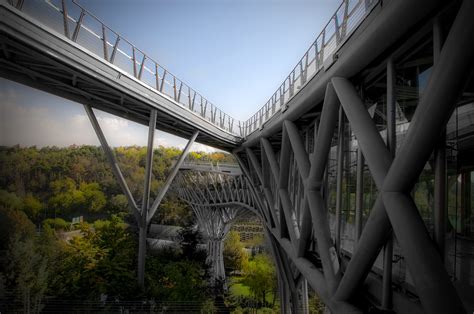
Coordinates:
x,y
215,224
215,247
303,307
143,216
217,200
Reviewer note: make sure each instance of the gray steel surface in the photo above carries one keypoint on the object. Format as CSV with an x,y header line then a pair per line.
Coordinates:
x,y
295,155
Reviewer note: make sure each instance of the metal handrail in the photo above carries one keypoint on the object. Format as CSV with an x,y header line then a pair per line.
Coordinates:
x,y
332,37
142,65
320,54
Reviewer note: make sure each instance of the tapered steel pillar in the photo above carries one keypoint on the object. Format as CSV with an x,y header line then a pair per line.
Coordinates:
x,y
465,213
440,197
440,175
304,307
340,172
359,209
143,226
392,144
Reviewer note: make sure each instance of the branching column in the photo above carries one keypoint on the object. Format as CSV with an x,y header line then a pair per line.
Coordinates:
x,y
143,216
217,200
215,223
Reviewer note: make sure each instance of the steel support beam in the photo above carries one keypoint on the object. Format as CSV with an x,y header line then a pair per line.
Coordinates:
x,y
440,196
359,204
143,224
113,162
340,172
312,183
444,86
171,177
286,220
440,174
356,111
392,145
322,145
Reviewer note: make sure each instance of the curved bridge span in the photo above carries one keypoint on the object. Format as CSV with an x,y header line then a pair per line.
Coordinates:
x,y
360,166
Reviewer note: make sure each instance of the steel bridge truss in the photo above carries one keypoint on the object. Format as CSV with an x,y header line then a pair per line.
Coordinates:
x,y
283,181
218,200
296,213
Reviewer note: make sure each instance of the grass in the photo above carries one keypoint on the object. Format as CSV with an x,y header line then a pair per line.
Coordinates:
x,y
239,289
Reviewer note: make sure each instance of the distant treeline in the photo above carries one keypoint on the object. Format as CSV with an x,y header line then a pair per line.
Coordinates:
x,y
55,182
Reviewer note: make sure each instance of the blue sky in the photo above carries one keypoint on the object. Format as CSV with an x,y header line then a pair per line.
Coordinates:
x,y
234,52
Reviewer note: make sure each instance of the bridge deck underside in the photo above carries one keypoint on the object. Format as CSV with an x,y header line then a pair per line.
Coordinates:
x,y
341,167
34,55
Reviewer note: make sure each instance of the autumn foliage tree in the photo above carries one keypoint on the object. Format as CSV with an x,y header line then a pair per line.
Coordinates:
x,y
235,256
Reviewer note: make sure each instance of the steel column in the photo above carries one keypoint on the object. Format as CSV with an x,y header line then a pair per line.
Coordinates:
x,y
440,175
378,226
143,225
392,144
446,82
359,203
340,170
304,297
313,184
440,197
444,86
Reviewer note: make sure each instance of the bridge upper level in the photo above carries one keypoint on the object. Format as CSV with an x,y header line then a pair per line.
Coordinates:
x,y
77,56
61,48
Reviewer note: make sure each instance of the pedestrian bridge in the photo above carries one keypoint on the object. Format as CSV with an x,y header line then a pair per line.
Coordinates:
x,y
360,165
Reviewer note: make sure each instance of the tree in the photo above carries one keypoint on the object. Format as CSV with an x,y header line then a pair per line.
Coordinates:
x,y
27,272
94,199
189,241
32,206
10,200
26,266
118,203
99,262
173,211
184,278
179,274
66,198
260,276
235,256
14,222
57,224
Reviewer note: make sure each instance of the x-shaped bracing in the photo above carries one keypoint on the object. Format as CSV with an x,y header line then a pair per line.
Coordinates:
x,y
394,207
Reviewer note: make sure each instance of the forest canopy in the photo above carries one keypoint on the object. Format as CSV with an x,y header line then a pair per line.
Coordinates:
x,y
54,182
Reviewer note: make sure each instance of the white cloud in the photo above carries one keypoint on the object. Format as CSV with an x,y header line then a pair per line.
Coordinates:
x,y
42,126
30,117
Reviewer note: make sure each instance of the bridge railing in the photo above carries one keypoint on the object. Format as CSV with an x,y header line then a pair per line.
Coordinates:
x,y
79,25
73,21
225,167
320,54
